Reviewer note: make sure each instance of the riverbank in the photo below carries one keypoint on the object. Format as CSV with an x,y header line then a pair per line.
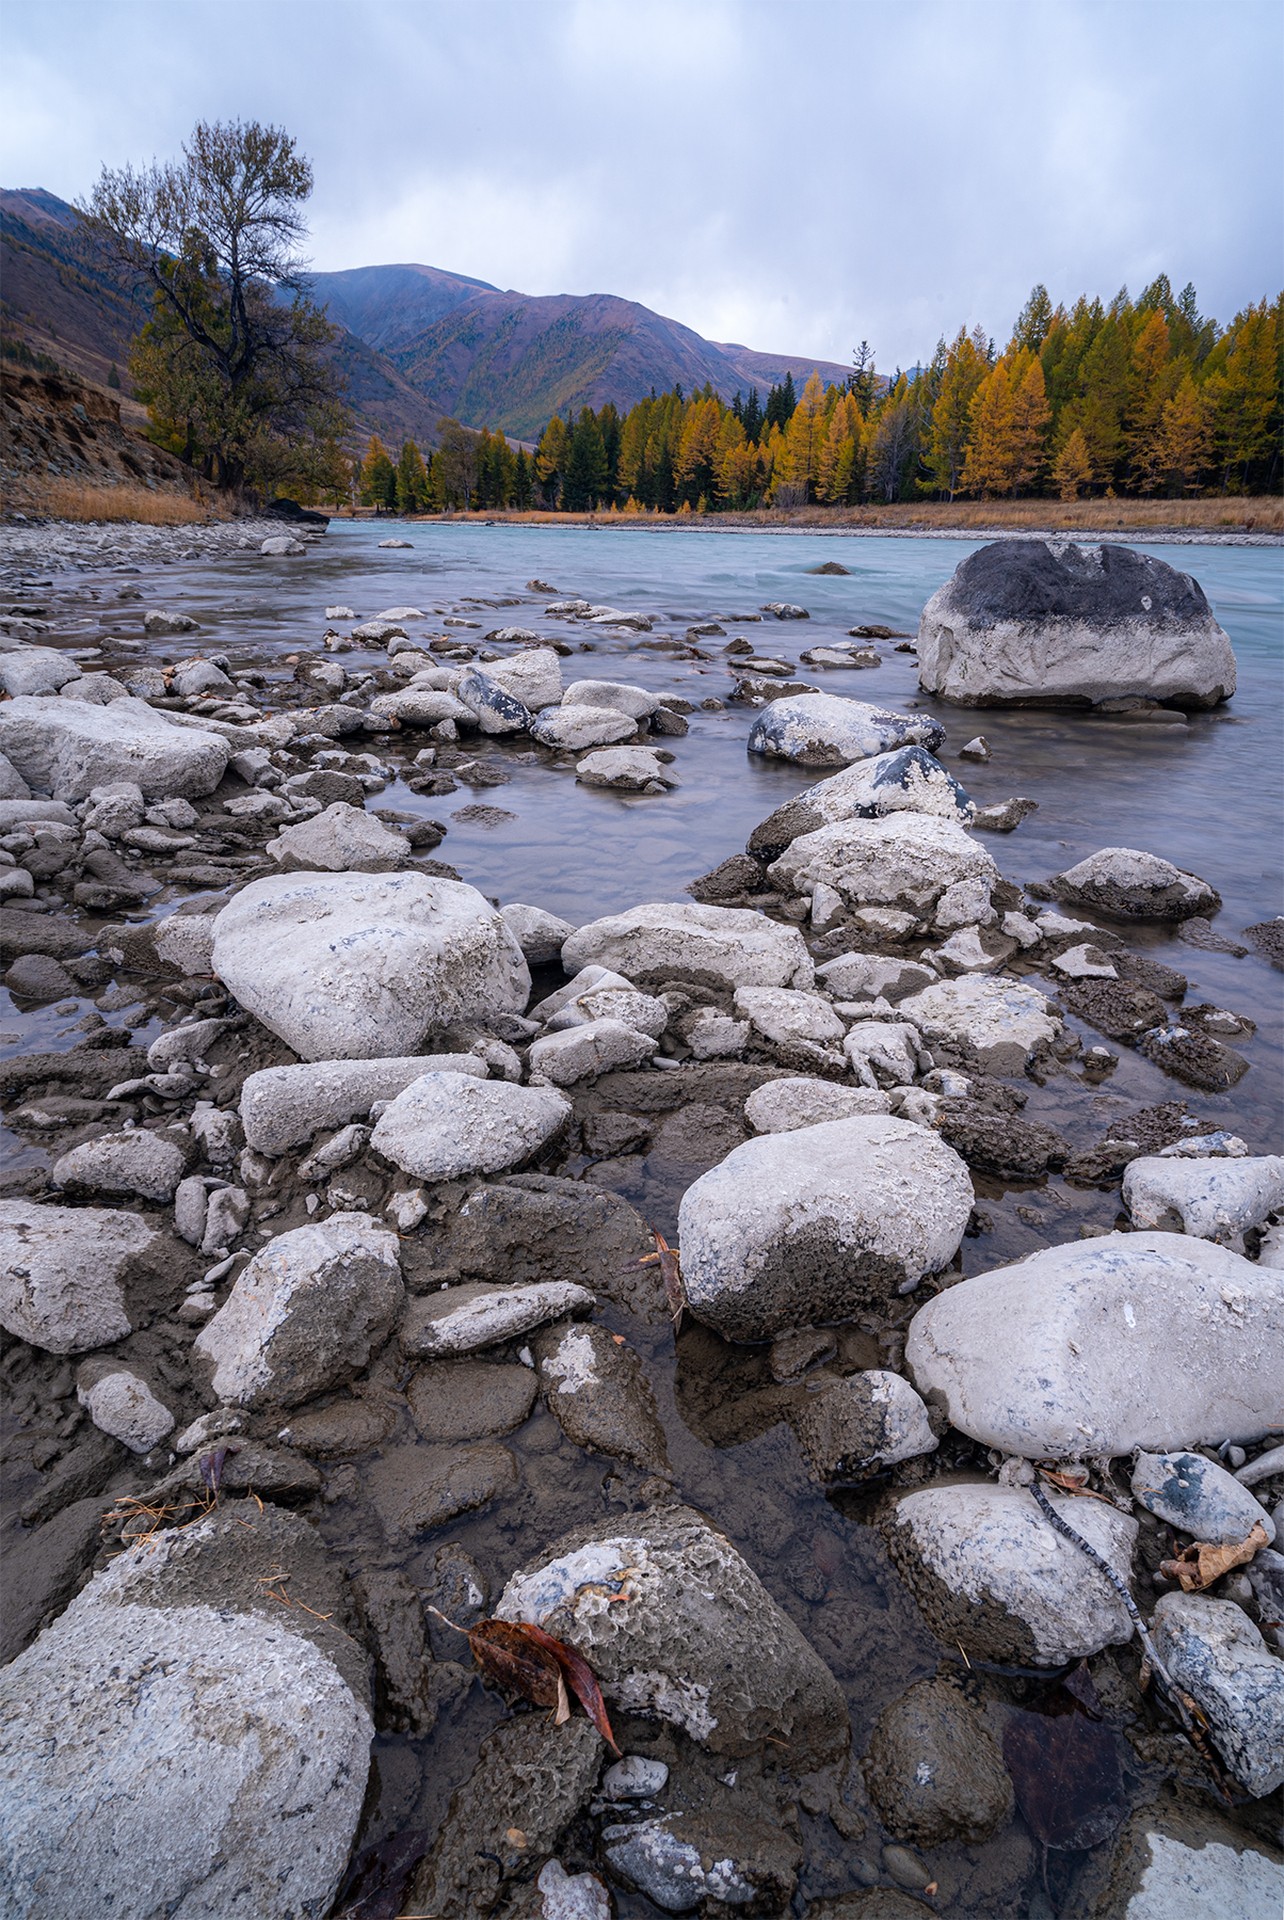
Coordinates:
x,y
1235,522
324,1348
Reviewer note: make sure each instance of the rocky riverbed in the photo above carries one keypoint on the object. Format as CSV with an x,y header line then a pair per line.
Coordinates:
x,y
331,1302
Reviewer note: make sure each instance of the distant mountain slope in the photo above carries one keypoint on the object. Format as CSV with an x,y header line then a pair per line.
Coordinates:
x,y
58,293
511,360
388,306
418,343
62,297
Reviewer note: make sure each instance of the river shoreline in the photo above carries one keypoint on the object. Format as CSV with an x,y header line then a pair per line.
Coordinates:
x,y
436,1472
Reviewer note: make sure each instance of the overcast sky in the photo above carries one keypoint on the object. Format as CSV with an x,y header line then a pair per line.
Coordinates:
x,y
795,175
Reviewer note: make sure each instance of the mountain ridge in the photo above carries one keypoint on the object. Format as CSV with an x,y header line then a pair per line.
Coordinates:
x,y
417,343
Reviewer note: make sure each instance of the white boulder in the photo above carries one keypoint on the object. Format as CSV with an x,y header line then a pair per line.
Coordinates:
x,y
797,1228
1047,623
991,1574
1134,885
1006,1023
539,934
824,730
68,747
583,1052
448,1124
1200,1497
572,729
341,839
637,702
716,946
781,1106
904,860
1101,1346
1217,1198
120,1402
359,966
181,1742
134,1161
626,770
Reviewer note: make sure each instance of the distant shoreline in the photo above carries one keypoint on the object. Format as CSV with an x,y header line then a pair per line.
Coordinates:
x,y
734,524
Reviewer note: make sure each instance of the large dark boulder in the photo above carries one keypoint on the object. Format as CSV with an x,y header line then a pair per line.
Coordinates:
x,y
1042,623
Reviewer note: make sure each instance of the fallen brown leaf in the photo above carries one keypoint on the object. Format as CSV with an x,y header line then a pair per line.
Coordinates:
x,y
1199,1565
668,1260
1068,1484
532,1663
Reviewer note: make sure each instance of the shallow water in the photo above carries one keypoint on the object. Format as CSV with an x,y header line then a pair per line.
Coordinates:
x,y
1209,795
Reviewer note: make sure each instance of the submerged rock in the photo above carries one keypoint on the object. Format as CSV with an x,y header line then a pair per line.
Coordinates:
x,y
1101,1346
180,1741
598,1393
797,1228
1047,623
676,1625
359,966
824,730
1135,886
933,1768
989,1572
531,1780
1174,1859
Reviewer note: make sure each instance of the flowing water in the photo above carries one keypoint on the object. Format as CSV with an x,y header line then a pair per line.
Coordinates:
x,y
1208,795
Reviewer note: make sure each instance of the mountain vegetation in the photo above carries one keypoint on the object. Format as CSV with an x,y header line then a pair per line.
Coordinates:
x,y
1143,398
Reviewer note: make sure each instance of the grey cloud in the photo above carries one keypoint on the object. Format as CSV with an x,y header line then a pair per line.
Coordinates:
x,y
796,176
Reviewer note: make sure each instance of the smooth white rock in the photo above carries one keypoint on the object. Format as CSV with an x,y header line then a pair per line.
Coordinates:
x,y
1217,1199
68,747
994,1551
364,966
806,1226
341,839
781,1106
1101,1346
448,1124
720,946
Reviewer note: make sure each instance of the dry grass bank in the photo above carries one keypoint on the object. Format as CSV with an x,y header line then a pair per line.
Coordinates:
x,y
1216,514
82,501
